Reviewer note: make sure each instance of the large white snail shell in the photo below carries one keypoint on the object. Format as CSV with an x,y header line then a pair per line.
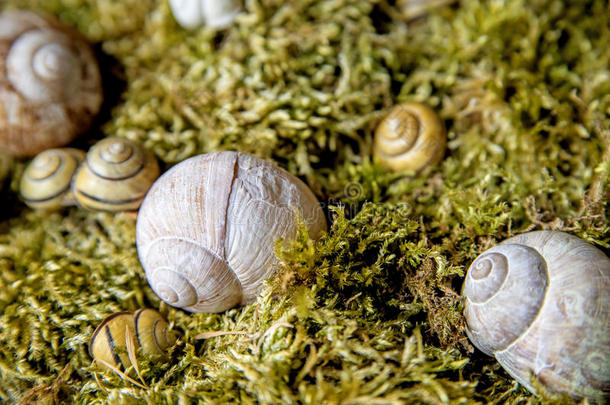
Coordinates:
x,y
540,303
213,13
207,228
50,86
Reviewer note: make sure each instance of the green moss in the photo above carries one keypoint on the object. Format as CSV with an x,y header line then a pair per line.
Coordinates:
x,y
371,312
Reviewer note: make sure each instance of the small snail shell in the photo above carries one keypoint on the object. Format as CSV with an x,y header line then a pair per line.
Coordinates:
x,y
46,181
213,13
410,137
115,176
412,9
540,303
206,230
147,329
50,85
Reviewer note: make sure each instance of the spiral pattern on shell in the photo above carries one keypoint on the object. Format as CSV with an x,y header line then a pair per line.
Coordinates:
x,y
206,231
411,137
50,87
46,181
146,328
115,176
540,303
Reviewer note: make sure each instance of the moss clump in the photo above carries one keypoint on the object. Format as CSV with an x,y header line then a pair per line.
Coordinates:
x,y
371,312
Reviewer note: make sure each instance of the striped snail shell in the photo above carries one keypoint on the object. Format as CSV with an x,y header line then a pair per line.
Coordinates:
x,y
540,303
50,86
145,327
115,176
207,228
411,137
213,13
46,181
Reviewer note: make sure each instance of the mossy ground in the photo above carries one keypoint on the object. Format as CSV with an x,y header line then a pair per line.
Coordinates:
x,y
370,314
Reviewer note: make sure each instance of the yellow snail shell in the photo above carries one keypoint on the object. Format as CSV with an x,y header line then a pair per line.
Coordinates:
x,y
540,303
50,86
147,329
115,176
207,228
411,137
46,181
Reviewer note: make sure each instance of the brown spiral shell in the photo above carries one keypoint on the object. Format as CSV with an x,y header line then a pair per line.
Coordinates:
x,y
50,86
411,137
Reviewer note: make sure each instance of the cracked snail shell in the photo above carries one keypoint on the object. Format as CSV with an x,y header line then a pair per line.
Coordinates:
x,y
50,86
46,181
145,328
540,304
213,13
411,137
207,228
115,176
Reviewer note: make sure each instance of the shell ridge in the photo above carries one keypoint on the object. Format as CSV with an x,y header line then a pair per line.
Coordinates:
x,y
57,194
154,334
115,202
118,178
226,213
189,240
137,325
529,327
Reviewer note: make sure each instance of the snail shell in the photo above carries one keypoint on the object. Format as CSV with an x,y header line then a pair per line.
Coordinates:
x,y
413,9
206,230
50,85
411,137
540,303
213,13
46,181
115,176
147,329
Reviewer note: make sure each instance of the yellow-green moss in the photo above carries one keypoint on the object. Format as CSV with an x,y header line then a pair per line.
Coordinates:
x,y
370,313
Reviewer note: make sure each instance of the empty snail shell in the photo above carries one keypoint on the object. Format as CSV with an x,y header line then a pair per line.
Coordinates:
x,y
50,85
411,137
46,181
213,13
206,230
540,303
145,328
115,176
412,9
